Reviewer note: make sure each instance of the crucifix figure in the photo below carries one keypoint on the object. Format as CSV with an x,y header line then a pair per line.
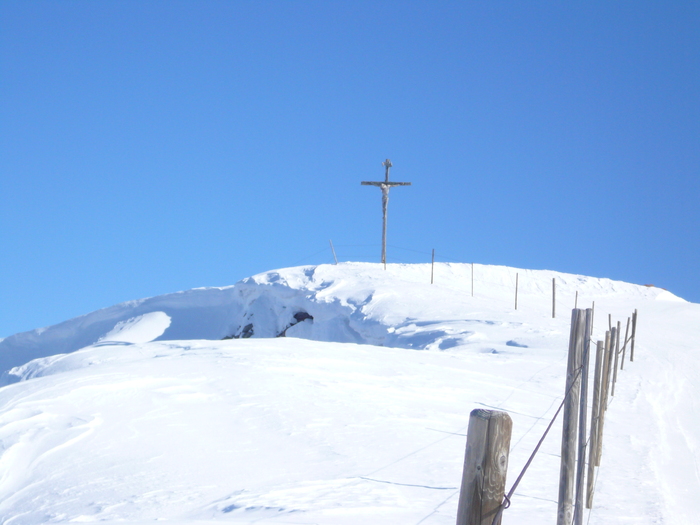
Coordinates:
x,y
385,186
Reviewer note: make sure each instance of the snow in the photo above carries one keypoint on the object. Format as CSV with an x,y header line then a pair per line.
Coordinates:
x,y
357,415
141,329
665,295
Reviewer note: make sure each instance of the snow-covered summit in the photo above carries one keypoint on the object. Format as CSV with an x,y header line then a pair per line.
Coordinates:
x,y
187,407
349,302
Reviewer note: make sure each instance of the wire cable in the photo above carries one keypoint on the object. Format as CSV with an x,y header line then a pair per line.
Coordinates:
x,y
507,497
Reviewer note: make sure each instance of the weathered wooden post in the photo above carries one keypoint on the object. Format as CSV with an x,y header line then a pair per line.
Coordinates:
x,y
624,346
617,351
576,300
634,333
609,369
595,420
584,335
565,509
603,398
485,467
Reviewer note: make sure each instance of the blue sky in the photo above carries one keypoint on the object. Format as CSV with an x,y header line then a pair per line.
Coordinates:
x,y
148,147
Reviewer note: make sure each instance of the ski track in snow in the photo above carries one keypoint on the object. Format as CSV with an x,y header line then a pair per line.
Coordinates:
x,y
139,412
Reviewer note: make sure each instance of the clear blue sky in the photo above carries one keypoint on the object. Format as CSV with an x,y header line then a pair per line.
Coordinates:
x,y
148,147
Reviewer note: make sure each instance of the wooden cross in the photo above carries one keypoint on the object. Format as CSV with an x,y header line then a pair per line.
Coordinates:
x,y
385,187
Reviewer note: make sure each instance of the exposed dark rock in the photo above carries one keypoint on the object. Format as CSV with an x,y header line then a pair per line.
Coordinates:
x,y
247,332
302,316
298,318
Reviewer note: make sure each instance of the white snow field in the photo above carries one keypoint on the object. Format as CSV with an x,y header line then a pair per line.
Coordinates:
x,y
140,412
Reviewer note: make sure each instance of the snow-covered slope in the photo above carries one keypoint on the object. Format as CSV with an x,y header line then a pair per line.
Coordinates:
x,y
344,420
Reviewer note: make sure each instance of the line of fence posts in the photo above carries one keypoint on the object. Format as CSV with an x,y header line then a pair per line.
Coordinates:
x,y
554,295
554,310
488,438
607,360
517,277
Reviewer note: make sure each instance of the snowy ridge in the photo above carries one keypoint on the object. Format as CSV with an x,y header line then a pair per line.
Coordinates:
x,y
295,430
373,307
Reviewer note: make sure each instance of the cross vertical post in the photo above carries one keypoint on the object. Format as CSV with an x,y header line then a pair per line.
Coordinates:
x,y
385,186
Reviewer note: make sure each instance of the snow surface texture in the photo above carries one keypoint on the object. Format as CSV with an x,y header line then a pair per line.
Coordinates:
x,y
139,417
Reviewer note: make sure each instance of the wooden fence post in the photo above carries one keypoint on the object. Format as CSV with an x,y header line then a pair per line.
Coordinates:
x,y
595,420
634,333
617,351
609,369
584,333
565,509
624,346
603,398
485,467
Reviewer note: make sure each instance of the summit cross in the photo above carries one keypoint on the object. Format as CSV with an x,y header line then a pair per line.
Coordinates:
x,y
385,186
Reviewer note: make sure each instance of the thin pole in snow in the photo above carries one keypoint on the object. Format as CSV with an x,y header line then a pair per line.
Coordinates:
x,y
333,250
634,333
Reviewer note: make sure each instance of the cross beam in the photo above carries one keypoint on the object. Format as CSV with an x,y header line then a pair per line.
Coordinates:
x,y
385,186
